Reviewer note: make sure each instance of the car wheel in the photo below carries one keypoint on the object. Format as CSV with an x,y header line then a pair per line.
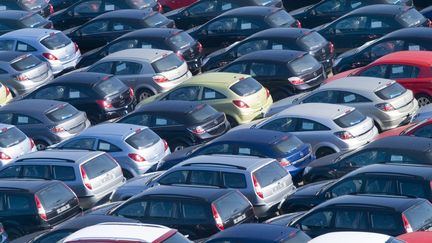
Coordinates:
x,y
423,99
41,145
178,145
144,94
232,121
321,152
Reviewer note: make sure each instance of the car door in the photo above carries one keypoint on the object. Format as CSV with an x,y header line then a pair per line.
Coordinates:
x,y
347,32
198,14
216,99
82,98
351,219
360,159
386,222
82,12
325,96
379,26
31,126
324,12
92,35
350,185
85,143
424,131
128,72
316,223
216,148
167,128
219,32
361,103
117,29
408,76
374,70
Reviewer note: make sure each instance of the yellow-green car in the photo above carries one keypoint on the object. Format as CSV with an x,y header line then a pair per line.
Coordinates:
x,y
240,96
5,95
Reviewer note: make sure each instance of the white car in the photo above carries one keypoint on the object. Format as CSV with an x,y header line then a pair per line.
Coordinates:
x,y
354,237
13,143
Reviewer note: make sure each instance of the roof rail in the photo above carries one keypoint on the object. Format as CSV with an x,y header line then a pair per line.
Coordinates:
x,y
214,165
45,158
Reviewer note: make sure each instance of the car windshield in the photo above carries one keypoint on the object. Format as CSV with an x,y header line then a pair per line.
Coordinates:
x,y
32,20
288,144
26,63
110,86
155,20
56,41
313,41
62,112
140,3
304,64
391,91
280,18
246,87
167,63
202,113
419,215
32,4
10,137
181,40
350,119
411,18
143,138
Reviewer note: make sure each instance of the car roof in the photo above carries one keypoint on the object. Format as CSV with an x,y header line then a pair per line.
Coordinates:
x,y
87,78
315,110
416,32
112,129
151,32
8,56
282,32
208,194
169,106
29,185
215,78
240,161
283,56
29,33
380,10
258,136
32,105
91,219
148,55
357,83
257,232
125,14
343,237
415,170
71,156
14,14
411,143
251,11
415,57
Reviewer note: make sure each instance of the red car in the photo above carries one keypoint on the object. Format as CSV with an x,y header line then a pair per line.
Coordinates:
x,y
421,129
412,69
168,5
416,237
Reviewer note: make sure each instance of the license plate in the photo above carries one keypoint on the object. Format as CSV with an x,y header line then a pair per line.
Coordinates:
x,y
62,209
240,218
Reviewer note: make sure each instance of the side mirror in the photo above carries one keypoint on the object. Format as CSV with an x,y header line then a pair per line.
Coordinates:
x,y
331,31
203,31
78,33
70,13
313,12
186,13
328,195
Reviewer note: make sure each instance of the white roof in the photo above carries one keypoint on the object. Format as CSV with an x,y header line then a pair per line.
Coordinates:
x,y
351,237
145,54
357,83
315,111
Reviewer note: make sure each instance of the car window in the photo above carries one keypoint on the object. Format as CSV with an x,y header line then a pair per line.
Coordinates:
x,y
376,24
211,94
127,68
231,205
155,20
55,41
269,174
107,147
176,177
412,188
83,143
76,94
110,6
246,87
138,119
327,96
162,209
350,118
17,204
134,210
416,47
201,177
63,173
51,93
280,18
331,6
181,40
36,171
263,69
26,63
95,27
105,67
247,150
304,64
220,148
383,221
23,47
141,139
88,7
167,63
285,124
363,158
424,131
351,219
316,220
10,172
378,71
380,186
348,97
411,18
191,211
233,180
25,120
185,93
240,67
99,166
203,7
6,118
2,71
305,125
161,121
227,5
120,26
11,136
251,46
350,24
224,25
348,186
403,71
386,47
122,45
7,45
247,24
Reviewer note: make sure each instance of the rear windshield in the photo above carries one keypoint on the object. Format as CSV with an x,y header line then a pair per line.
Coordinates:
x,y
143,139
56,41
99,166
32,4
140,3
304,64
350,119
392,91
313,41
270,173
288,144
110,86
230,205
26,63
202,113
10,137
62,113
181,40
419,215
155,20
33,20
246,87
55,195
167,63
280,18
411,18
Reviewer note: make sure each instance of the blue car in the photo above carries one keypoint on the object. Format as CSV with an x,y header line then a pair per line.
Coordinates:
x,y
291,152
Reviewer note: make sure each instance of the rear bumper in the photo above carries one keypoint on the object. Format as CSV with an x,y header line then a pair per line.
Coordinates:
x,y
107,115
400,119
58,67
87,202
268,210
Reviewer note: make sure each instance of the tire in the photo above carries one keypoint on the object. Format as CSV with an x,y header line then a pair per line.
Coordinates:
x,y
232,121
143,94
321,152
41,145
178,145
423,99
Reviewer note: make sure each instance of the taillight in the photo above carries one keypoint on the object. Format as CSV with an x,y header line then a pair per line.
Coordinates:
x,y
267,93
257,187
406,224
331,46
429,23
284,162
159,7
217,218
32,144
298,23
200,47
4,156
385,107
198,130
165,145
50,56
344,135
240,104
160,79
104,104
136,157
85,178
296,81
131,92
7,90
40,209
76,47
180,55
51,9
57,129
21,77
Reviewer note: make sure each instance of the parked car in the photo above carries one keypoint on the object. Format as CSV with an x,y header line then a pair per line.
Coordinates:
x,y
328,10
390,215
368,23
17,19
389,179
171,5
396,149
353,237
21,73
200,12
146,71
383,100
180,123
412,39
239,96
272,68
45,121
239,23
51,46
126,232
135,148
101,96
275,39
13,143
262,181
421,129
110,25
412,69
287,149
198,212
82,11
329,128
41,7
175,40
33,205
416,237
244,233
92,175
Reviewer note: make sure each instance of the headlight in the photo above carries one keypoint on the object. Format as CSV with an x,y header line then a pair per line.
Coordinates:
x,y
336,61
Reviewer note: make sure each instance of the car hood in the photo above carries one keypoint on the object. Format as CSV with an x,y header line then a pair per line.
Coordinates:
x,y
326,160
311,189
69,31
299,11
285,219
173,12
284,103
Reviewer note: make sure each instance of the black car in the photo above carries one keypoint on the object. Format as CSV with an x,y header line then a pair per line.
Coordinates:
x,y
195,211
394,149
101,96
202,11
61,4
33,205
405,39
427,12
17,19
156,38
108,26
296,4
390,179
328,10
180,123
368,23
275,39
390,215
239,23
282,72
85,10
42,7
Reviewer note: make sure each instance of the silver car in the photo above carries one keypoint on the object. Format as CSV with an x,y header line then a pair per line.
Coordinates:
x,y
13,143
22,72
147,71
329,128
385,101
136,148
49,45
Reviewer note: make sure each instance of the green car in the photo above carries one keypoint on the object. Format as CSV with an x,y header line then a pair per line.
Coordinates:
x,y
239,96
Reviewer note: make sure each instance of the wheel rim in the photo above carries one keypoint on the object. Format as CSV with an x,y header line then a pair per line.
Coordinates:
x,y
144,95
423,101
179,147
40,146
